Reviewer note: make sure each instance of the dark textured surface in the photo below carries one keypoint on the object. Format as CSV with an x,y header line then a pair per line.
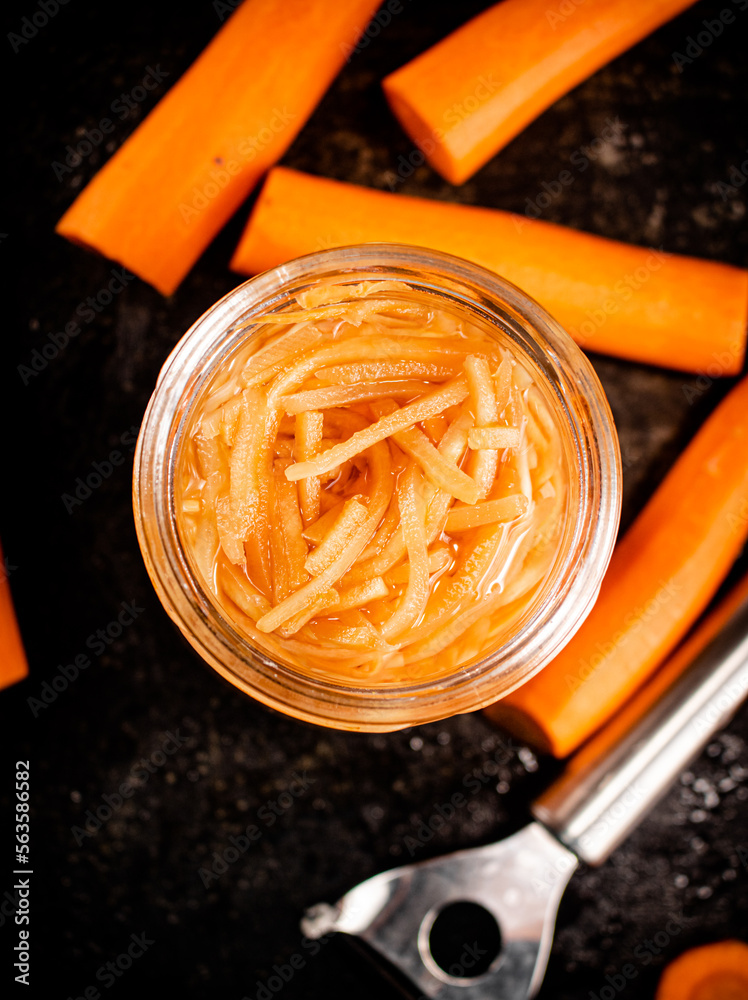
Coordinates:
x,y
657,183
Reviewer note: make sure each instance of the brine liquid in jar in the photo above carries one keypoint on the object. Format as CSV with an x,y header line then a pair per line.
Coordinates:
x,y
374,487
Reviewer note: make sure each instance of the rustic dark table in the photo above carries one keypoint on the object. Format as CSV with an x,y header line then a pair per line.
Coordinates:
x,y
135,883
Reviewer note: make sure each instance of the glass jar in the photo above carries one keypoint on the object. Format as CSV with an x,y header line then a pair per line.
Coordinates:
x,y
586,537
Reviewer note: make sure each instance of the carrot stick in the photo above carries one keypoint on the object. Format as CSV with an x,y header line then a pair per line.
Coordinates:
x,y
164,195
468,96
717,971
661,577
13,664
644,305
433,402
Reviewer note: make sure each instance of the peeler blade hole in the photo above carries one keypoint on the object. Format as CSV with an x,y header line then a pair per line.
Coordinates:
x,y
464,940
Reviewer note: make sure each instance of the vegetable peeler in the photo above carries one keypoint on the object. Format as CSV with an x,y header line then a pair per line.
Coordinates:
x,y
606,788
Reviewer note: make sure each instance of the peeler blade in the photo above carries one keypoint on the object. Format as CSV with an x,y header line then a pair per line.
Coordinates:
x,y
519,880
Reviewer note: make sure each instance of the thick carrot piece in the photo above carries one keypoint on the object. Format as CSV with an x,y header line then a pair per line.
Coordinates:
x,y
13,664
661,577
465,98
644,305
717,971
160,200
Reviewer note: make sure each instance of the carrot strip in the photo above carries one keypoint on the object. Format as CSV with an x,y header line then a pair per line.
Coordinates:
x,y
503,385
246,597
357,597
428,405
503,68
340,395
645,305
378,501
309,426
317,531
416,593
482,391
353,629
717,971
291,548
493,437
327,601
257,544
274,356
325,294
372,371
450,448
488,512
243,485
661,577
439,559
360,349
436,427
164,195
459,590
13,663
384,532
484,460
350,519
442,473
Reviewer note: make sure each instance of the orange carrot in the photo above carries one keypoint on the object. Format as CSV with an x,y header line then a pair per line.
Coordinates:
x,y
13,664
661,577
644,305
468,96
164,195
716,971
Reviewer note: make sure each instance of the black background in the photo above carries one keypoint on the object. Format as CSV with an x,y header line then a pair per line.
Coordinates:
x,y
657,185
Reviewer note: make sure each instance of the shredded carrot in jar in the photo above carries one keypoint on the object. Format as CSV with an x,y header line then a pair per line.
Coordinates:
x,y
373,489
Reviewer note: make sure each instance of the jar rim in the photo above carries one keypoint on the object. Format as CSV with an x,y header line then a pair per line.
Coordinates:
x,y
322,700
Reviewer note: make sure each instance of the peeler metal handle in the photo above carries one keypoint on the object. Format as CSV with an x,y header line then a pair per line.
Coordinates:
x,y
604,791
612,782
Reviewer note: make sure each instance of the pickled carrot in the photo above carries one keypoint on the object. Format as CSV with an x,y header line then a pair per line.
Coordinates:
x,y
393,549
